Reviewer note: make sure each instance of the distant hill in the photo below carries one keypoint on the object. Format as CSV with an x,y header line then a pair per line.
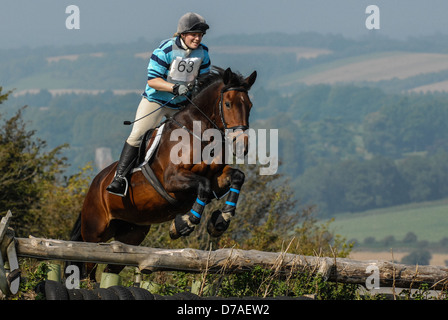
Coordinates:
x,y
372,68
283,62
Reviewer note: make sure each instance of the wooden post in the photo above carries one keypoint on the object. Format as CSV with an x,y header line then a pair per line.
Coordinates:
x,y
9,282
232,260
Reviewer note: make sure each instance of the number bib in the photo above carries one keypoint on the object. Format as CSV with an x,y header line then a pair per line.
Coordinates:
x,y
184,69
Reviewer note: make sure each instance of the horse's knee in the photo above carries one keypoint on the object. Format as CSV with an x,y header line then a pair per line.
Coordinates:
x,y
204,189
238,177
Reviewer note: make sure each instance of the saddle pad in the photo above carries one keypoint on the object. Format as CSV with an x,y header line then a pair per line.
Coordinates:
x,y
153,147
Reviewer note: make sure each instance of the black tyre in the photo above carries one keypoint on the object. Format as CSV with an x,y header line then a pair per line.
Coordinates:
x,y
105,294
122,292
186,296
140,293
88,294
74,294
55,291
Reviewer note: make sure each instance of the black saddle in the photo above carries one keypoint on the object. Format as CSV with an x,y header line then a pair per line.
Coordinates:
x,y
148,173
143,145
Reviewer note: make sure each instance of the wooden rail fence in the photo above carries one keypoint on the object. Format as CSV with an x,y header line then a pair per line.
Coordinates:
x,y
226,261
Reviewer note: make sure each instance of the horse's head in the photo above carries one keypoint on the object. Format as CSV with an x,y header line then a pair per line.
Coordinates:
x,y
234,108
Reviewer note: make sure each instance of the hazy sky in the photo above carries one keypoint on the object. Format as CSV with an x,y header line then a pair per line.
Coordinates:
x,y
42,22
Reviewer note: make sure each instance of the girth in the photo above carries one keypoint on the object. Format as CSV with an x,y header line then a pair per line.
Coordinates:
x,y
149,174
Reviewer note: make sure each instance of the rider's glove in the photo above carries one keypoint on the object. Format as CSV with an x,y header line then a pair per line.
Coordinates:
x,y
180,89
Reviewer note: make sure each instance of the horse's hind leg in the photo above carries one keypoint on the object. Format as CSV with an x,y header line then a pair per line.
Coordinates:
x,y
127,233
94,230
95,227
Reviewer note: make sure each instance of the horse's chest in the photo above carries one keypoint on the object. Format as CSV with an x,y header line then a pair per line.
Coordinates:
x,y
205,170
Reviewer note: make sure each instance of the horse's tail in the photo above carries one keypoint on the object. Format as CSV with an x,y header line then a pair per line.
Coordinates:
x,y
75,235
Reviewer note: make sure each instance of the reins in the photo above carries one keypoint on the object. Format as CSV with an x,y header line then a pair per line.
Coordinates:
x,y
220,105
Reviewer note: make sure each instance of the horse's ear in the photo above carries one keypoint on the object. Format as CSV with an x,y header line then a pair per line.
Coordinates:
x,y
227,76
250,80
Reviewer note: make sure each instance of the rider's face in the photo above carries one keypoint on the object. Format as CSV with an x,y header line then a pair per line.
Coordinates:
x,y
192,40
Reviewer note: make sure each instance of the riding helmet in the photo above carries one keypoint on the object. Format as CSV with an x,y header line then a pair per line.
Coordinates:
x,y
191,22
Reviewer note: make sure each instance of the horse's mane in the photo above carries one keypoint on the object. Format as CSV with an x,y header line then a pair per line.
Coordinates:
x,y
216,75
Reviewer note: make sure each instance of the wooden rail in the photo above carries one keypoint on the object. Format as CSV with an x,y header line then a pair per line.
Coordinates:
x,y
233,260
384,273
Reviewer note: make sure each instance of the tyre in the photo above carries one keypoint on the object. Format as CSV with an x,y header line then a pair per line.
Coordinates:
x,y
186,296
55,291
122,292
168,298
88,294
140,293
105,294
74,294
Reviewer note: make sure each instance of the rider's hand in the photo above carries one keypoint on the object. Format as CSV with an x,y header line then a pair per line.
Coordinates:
x,y
180,89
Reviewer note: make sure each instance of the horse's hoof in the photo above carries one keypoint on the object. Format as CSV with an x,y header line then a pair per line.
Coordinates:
x,y
173,232
217,225
181,227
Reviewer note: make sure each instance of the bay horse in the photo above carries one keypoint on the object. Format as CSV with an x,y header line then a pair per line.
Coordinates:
x,y
182,190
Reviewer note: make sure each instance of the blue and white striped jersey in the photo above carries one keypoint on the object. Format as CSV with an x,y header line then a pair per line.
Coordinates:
x,y
161,61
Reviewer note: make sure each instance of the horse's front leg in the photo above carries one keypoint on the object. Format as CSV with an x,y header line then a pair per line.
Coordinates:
x,y
220,219
184,224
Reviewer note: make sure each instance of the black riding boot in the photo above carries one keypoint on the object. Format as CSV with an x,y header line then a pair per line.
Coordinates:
x,y
119,185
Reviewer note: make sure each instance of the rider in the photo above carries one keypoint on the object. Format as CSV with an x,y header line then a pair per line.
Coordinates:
x,y
172,69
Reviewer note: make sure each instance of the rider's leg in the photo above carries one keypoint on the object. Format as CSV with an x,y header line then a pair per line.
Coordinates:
x,y
119,185
140,127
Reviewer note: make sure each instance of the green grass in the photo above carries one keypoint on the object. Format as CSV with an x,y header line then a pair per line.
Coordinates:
x,y
429,221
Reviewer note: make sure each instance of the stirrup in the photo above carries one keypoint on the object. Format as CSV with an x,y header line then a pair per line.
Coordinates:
x,y
119,179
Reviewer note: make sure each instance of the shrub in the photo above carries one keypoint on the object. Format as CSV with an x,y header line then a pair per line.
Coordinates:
x,y
420,257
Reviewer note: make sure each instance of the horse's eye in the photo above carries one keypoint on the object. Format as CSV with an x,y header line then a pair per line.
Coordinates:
x,y
228,104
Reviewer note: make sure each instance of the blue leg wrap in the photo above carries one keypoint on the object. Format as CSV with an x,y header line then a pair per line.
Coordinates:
x,y
232,200
195,213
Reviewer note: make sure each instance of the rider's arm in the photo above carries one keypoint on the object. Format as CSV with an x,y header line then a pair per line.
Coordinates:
x,y
160,84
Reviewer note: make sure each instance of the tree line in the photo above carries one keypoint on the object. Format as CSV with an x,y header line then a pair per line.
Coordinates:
x,y
378,149
45,201
351,186
350,148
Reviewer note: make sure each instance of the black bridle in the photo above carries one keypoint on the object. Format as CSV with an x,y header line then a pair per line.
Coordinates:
x,y
221,113
224,90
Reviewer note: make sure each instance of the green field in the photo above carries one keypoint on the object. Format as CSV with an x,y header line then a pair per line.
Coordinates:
x,y
429,221
368,67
